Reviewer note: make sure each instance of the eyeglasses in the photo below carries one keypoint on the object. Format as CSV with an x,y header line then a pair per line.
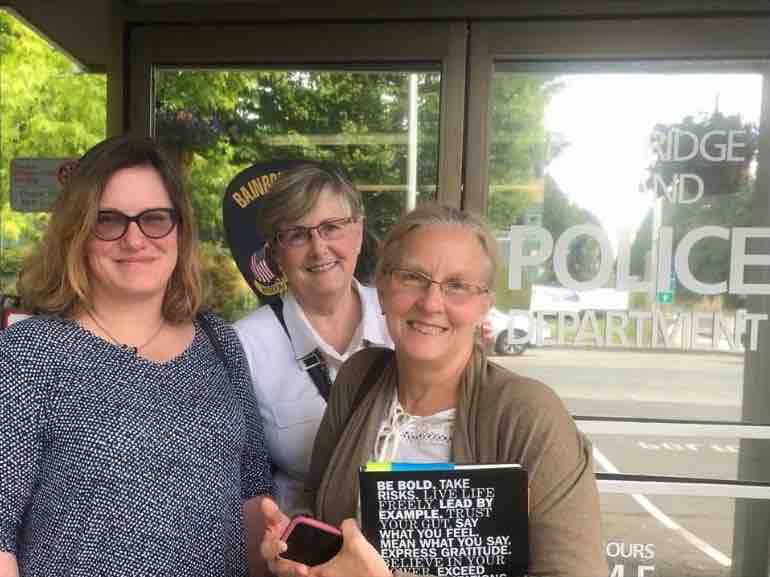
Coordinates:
x,y
455,291
154,223
297,236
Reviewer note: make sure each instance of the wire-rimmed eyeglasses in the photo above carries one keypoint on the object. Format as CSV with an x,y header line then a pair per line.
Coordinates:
x,y
455,291
297,236
154,223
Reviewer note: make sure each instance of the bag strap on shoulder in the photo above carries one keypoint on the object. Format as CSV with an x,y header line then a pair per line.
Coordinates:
x,y
313,362
374,371
215,342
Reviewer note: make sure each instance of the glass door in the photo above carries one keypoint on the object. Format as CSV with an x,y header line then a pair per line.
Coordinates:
x,y
623,168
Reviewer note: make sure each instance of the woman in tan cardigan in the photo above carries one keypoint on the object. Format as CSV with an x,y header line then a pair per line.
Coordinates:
x,y
439,399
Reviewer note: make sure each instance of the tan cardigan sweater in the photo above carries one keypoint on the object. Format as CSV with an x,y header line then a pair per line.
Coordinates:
x,y
501,417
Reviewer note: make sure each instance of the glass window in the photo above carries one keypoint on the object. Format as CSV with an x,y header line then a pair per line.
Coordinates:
x,y
219,122
623,196
621,203
698,540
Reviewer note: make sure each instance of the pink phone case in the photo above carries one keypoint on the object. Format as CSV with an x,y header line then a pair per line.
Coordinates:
x,y
312,522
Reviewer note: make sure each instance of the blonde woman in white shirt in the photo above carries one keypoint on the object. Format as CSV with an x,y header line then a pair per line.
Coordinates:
x,y
313,219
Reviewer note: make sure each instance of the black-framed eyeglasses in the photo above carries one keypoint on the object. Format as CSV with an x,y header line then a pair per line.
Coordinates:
x,y
297,236
455,291
154,223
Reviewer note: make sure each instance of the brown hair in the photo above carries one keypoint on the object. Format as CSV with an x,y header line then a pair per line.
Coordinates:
x,y
430,214
296,191
55,278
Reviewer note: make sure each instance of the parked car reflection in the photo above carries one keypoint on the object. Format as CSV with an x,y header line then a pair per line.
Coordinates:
x,y
497,329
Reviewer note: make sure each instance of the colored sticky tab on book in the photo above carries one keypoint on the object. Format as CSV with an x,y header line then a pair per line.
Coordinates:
x,y
377,466
404,466
401,466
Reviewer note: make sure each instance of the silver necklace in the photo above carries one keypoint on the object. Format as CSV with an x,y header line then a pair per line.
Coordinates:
x,y
134,349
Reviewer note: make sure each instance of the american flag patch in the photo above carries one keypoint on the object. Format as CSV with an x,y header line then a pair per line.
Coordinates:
x,y
260,269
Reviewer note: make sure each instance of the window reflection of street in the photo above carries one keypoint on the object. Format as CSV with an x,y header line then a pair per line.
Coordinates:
x,y
647,384
655,535
692,539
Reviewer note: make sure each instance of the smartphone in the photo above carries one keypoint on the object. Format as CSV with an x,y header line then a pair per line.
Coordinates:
x,y
310,541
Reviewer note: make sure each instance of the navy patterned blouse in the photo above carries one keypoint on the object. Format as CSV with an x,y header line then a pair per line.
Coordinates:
x,y
111,464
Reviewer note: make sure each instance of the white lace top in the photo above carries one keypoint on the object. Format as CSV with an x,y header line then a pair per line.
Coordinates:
x,y
414,439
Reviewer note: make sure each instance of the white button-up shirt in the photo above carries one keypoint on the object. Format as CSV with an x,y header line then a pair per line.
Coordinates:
x,y
289,401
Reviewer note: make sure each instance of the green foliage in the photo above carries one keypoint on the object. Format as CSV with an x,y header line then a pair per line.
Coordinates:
x,y
710,258
727,199
231,119
520,145
8,35
209,176
560,213
10,265
48,108
520,150
505,298
227,292
639,302
506,208
712,131
641,246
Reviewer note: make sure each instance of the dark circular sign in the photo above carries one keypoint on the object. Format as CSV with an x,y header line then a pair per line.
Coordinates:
x,y
247,243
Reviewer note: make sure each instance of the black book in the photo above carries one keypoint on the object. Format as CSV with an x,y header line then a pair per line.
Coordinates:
x,y
444,519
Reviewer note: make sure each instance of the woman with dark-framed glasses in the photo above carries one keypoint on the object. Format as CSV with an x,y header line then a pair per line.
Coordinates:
x,y
130,441
438,399
313,219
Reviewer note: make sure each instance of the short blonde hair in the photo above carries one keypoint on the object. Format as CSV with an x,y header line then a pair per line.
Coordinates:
x,y
297,190
55,279
431,214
